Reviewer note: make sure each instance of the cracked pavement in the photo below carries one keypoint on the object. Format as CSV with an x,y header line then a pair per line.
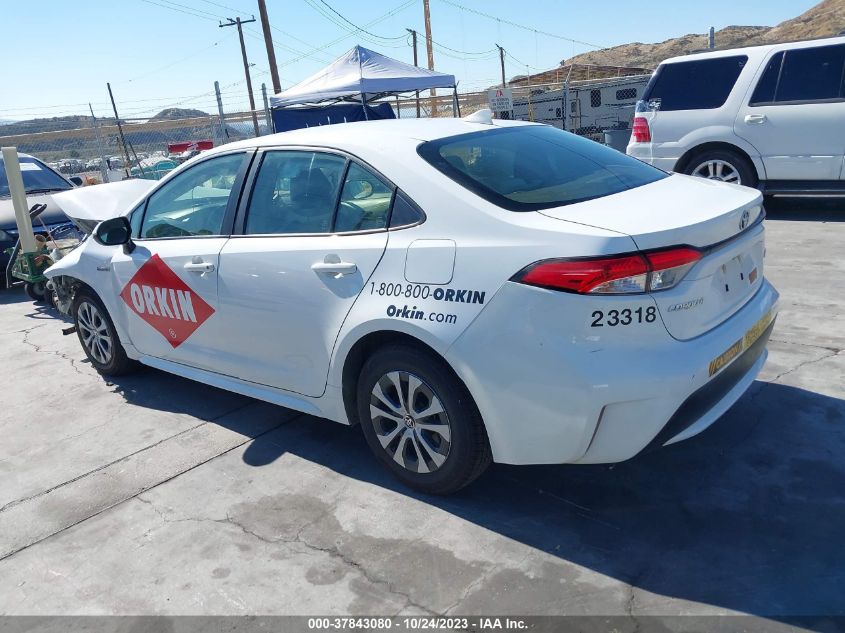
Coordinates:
x,y
155,495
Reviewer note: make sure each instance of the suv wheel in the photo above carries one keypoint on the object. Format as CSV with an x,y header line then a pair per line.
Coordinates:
x,y
420,421
98,337
722,165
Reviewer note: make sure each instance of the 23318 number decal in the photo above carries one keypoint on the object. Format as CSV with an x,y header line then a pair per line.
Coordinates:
x,y
626,316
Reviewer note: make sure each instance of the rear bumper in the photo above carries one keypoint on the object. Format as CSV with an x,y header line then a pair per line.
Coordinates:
x,y
549,393
645,153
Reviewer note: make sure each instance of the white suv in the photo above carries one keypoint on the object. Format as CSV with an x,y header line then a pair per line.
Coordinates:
x,y
766,116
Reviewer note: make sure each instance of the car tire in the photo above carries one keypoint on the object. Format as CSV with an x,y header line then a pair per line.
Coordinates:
x,y
435,444
723,165
98,336
36,291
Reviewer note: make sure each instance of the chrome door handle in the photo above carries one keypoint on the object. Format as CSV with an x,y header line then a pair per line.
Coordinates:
x,y
755,119
199,267
333,265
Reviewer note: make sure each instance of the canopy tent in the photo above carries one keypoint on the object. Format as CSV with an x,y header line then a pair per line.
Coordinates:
x,y
361,75
297,117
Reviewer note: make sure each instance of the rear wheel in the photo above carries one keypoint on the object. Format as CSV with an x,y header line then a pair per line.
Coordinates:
x,y
722,165
420,420
98,337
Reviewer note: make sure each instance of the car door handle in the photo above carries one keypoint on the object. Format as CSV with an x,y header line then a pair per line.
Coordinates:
x,y
199,267
755,119
333,265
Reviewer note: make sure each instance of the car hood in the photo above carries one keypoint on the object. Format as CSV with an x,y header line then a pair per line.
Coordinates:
x,y
671,211
51,215
88,206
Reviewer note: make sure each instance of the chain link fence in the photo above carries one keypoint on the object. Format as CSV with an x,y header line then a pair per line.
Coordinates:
x,y
100,150
596,101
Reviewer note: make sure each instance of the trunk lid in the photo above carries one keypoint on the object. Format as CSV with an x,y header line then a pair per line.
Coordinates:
x,y
720,220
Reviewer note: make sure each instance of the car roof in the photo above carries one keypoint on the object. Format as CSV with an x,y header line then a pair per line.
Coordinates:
x,y
757,50
348,136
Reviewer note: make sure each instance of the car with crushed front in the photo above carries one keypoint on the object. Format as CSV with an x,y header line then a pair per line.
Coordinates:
x,y
466,290
39,181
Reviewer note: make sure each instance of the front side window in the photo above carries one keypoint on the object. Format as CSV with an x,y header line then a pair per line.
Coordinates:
x,y
364,201
812,74
295,192
535,167
193,203
702,84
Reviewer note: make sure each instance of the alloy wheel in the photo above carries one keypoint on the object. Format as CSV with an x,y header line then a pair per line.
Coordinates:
x,y
95,333
410,422
718,170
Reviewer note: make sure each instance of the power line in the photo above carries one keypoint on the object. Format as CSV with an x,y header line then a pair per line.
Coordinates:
x,y
520,26
390,13
381,40
182,10
358,28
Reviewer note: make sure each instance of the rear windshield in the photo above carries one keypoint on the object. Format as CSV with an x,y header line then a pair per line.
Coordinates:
x,y
36,177
702,84
533,167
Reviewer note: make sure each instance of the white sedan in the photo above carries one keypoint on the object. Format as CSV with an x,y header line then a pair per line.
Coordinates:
x,y
466,290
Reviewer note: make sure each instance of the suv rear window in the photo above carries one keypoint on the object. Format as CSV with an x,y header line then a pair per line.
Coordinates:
x,y
531,167
702,84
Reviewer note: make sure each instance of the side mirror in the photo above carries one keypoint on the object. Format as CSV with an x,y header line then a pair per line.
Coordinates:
x,y
76,180
115,232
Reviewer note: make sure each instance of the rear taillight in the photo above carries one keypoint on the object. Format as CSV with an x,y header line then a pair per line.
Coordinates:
x,y
640,131
670,266
618,275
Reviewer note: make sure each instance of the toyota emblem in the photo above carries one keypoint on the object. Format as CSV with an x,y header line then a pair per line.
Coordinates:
x,y
744,219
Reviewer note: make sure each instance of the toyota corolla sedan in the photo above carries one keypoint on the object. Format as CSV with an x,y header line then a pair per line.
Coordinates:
x,y
466,290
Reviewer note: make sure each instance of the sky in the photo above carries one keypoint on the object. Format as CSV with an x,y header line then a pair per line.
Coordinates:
x,y
168,53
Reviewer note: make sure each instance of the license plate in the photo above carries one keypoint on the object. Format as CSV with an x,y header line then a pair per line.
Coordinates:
x,y
748,339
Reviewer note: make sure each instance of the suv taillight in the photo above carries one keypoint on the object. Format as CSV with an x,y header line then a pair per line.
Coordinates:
x,y
640,131
616,275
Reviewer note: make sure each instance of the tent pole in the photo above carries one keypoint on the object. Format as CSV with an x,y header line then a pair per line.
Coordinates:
x,y
457,104
364,105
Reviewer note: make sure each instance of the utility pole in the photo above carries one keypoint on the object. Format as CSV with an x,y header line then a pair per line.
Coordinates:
x,y
120,132
224,131
104,163
414,39
268,119
502,62
268,42
430,48
238,22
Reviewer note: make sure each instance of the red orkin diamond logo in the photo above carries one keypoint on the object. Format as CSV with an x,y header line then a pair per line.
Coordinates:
x,y
156,294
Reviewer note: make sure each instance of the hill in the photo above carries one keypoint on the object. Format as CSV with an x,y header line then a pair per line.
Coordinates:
x,y
823,20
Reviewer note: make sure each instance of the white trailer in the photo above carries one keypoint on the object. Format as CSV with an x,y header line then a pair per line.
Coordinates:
x,y
595,105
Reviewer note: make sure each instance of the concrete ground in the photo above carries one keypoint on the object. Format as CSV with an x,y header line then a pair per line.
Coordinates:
x,y
155,495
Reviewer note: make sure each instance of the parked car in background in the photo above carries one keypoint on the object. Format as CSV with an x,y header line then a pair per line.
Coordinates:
x,y
153,168
766,116
465,290
40,181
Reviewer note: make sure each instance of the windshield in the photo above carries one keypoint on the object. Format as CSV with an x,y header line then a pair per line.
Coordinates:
x,y
36,177
527,168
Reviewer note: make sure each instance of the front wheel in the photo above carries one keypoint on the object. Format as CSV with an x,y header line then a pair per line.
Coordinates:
x,y
724,166
98,337
420,420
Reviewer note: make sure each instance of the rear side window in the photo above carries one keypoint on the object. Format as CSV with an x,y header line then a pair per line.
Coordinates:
x,y
702,84
812,74
295,192
764,92
533,167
